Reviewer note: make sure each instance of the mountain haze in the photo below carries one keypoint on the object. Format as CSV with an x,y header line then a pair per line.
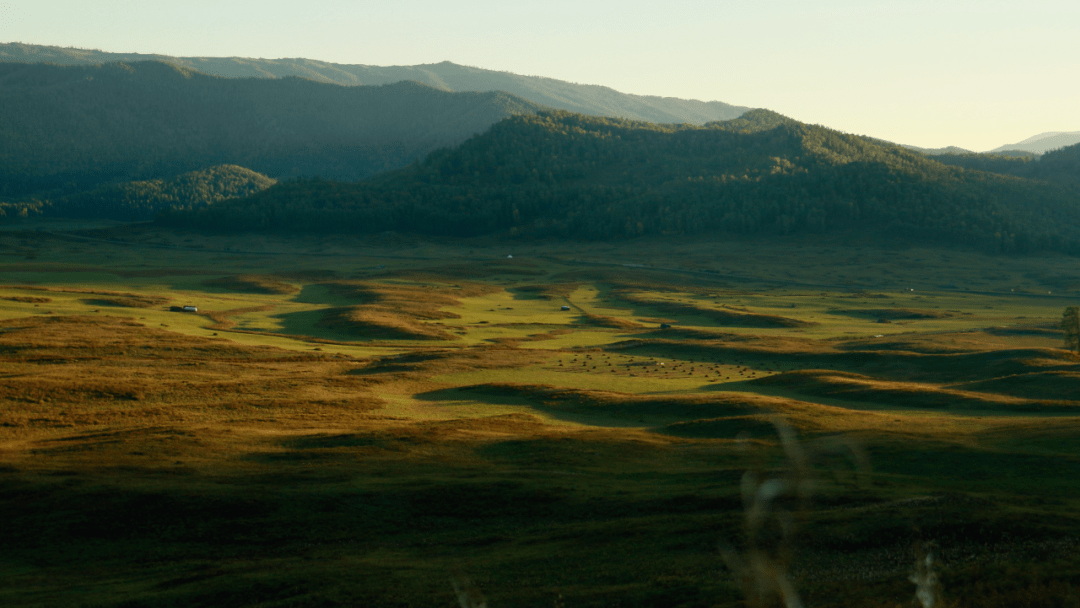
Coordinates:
x,y
585,99
69,129
938,151
1043,142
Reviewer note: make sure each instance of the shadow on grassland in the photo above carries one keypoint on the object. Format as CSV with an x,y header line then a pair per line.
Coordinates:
x,y
687,416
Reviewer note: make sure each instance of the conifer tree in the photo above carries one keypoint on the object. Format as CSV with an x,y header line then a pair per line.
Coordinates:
x,y
1070,322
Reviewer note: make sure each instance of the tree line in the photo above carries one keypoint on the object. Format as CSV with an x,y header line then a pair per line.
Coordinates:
x,y
567,175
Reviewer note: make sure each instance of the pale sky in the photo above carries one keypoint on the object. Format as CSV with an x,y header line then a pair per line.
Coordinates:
x,y
976,74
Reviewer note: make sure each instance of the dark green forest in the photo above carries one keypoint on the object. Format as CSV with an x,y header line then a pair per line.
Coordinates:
x,y
142,200
1061,166
1019,164
68,130
557,174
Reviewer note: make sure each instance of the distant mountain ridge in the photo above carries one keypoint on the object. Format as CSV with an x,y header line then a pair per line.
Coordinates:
x,y
586,99
1043,142
70,129
938,151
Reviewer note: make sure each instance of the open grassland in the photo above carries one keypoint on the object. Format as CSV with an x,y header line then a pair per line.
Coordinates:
x,y
350,423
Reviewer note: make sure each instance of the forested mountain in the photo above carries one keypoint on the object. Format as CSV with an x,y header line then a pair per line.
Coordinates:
x,y
65,130
1016,163
1062,165
586,99
569,175
1043,142
142,200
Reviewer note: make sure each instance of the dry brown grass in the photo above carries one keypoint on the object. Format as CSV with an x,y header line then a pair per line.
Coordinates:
x,y
73,374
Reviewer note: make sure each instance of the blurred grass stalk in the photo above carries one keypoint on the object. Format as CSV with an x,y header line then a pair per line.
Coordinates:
x,y
774,505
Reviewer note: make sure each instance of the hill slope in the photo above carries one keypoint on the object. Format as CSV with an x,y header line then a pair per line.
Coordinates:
x,y
1061,165
586,99
70,129
142,200
568,175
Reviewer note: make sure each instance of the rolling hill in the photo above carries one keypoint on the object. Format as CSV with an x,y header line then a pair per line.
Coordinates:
x,y
142,200
68,130
557,174
447,76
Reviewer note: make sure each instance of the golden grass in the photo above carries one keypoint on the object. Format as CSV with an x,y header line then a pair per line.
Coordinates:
x,y
595,320
67,373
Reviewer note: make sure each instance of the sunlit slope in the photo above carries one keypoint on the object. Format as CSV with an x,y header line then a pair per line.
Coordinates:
x,y
584,98
69,129
569,175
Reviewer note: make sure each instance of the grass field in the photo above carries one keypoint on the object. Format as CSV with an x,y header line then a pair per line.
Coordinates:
x,y
360,422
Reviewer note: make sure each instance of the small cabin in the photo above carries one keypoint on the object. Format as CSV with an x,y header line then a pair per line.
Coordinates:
x,y
191,309
565,308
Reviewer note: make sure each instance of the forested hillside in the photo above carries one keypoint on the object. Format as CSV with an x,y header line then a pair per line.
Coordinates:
x,y
1062,165
1019,164
587,99
66,130
569,175
142,200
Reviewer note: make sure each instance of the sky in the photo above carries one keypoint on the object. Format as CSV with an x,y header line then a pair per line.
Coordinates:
x,y
974,74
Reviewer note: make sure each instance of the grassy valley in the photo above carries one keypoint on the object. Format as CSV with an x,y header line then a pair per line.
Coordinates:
x,y
394,345
376,420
